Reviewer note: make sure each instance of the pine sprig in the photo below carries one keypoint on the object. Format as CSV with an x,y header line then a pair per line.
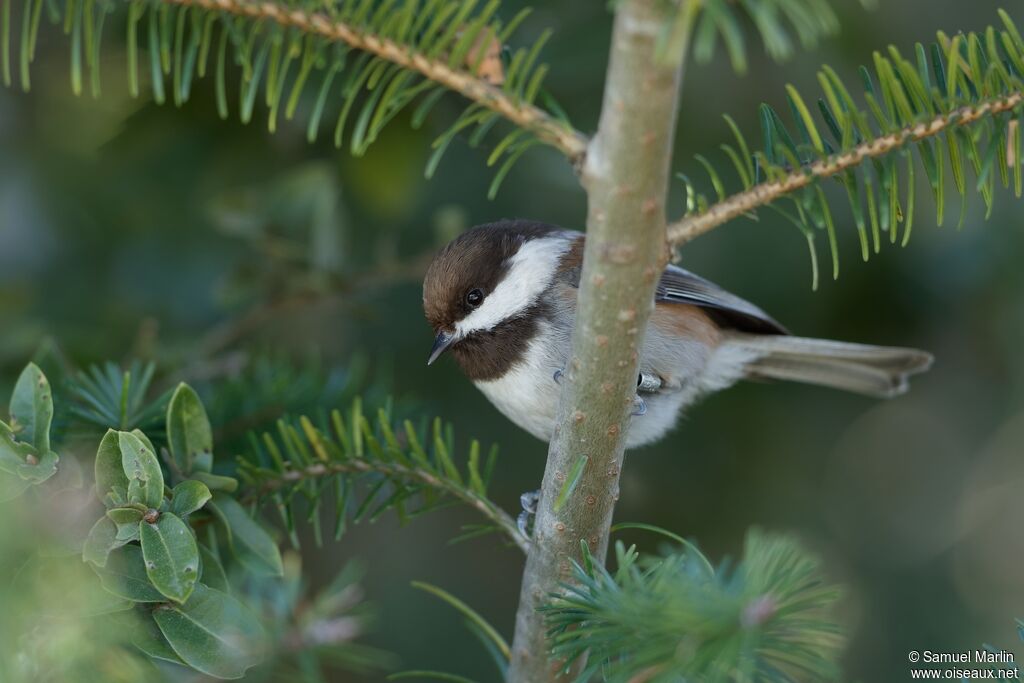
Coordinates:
x,y
670,618
110,397
779,23
962,97
362,61
410,471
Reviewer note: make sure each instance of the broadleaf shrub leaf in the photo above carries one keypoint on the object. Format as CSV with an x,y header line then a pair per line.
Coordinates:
x,y
171,555
217,482
148,638
32,408
212,571
188,431
121,516
213,633
189,496
127,521
13,453
21,459
145,480
101,541
250,544
144,439
42,470
109,470
125,576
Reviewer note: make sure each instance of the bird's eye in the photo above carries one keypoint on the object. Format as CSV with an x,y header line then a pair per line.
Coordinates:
x,y
475,297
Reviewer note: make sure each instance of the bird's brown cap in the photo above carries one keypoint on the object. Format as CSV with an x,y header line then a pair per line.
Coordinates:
x,y
476,259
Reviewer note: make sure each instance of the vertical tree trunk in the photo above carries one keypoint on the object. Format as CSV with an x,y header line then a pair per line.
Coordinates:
x,y
626,178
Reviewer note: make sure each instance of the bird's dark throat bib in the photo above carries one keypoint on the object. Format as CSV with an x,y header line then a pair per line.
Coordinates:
x,y
488,354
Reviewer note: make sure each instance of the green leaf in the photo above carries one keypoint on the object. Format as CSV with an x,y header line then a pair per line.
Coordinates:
x,y
146,481
125,515
41,471
148,638
144,439
32,408
250,544
172,556
188,431
127,521
109,470
101,541
115,498
213,633
20,459
125,576
189,496
13,453
216,482
212,571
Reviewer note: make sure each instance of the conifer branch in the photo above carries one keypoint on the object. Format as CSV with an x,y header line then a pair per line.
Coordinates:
x,y
359,63
302,461
765,619
320,471
737,205
953,106
559,135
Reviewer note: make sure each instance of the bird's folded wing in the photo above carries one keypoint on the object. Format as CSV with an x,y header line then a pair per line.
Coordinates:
x,y
728,310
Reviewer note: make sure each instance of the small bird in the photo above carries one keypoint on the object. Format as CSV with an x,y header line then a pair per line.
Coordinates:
x,y
502,298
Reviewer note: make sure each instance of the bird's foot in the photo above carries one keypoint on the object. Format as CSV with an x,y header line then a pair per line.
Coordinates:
x,y
639,406
529,502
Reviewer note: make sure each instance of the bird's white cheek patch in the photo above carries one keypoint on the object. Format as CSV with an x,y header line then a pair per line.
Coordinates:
x,y
529,273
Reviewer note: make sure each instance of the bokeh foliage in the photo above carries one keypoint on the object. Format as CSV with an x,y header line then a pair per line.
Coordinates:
x,y
174,540
183,570
959,96
360,64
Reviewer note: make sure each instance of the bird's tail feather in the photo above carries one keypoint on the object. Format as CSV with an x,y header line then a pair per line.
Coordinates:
x,y
880,371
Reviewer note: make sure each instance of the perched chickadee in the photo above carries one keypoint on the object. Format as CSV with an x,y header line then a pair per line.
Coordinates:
x,y
502,298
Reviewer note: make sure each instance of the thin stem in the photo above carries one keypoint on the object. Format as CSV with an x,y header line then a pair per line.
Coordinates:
x,y
741,203
552,131
492,512
626,177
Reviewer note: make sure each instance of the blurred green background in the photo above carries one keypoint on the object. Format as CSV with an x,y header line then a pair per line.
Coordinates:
x,y
130,230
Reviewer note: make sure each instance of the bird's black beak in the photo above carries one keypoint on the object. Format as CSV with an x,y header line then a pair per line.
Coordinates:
x,y
441,344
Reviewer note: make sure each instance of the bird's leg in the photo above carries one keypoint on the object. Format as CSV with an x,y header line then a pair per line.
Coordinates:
x,y
529,502
646,384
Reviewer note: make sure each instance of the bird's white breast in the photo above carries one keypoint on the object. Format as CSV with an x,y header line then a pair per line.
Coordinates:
x,y
527,394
